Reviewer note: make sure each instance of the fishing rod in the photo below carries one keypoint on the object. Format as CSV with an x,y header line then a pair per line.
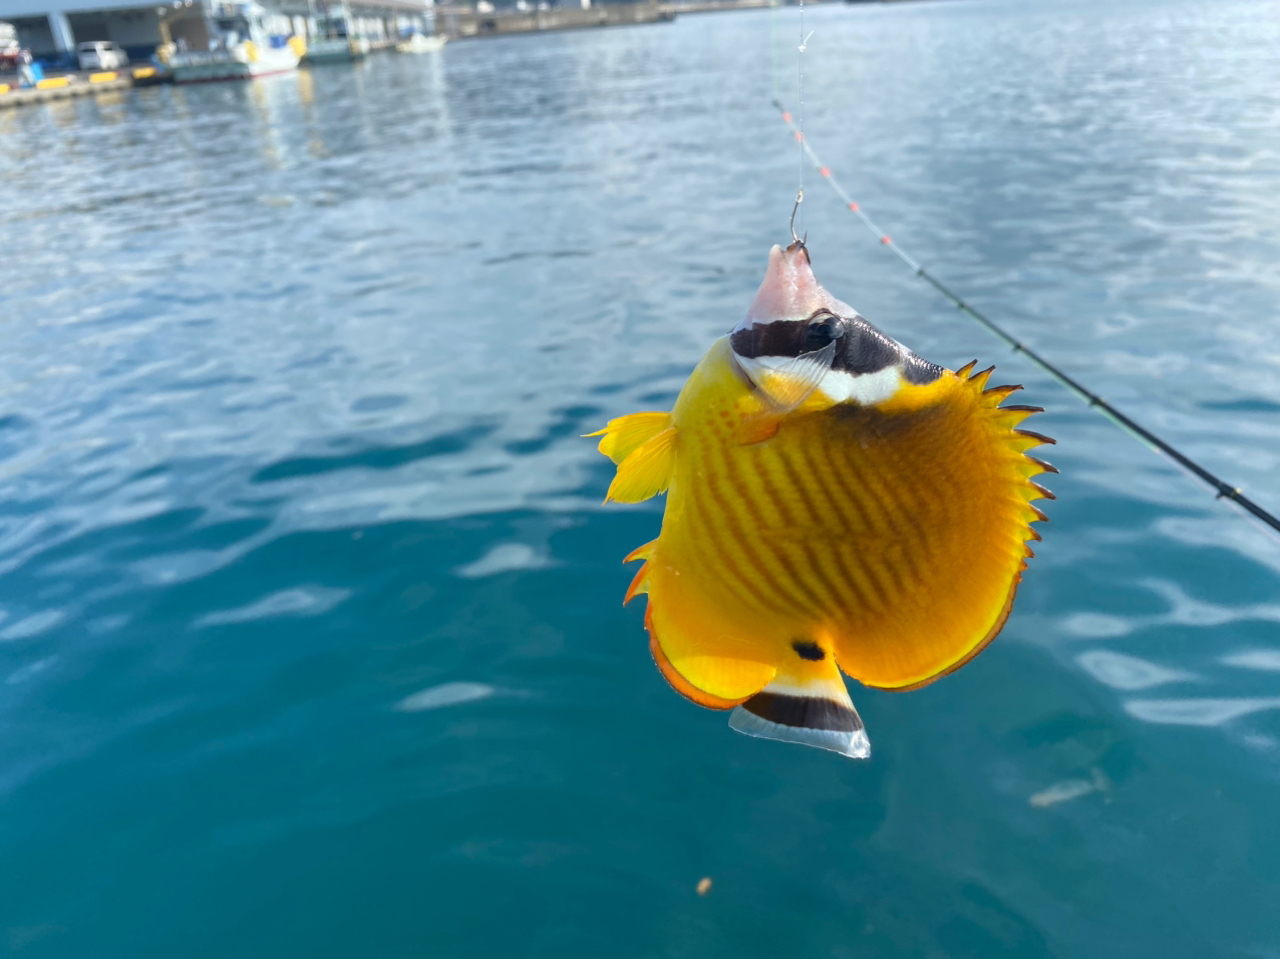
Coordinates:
x,y
1092,400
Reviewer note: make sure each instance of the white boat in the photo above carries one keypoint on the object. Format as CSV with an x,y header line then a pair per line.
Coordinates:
x,y
420,43
334,40
241,46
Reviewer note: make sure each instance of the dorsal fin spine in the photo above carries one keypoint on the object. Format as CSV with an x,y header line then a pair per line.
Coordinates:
x,y
639,584
642,552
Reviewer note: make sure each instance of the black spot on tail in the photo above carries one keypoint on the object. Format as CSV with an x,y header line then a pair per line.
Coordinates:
x,y
806,712
809,650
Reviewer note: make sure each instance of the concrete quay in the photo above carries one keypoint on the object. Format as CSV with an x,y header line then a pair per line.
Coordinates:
x,y
715,6
461,22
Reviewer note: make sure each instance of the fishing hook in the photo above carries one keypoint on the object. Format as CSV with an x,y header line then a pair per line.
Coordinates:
x,y
795,239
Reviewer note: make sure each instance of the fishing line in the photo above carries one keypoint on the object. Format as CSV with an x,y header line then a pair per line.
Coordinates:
x,y
1092,400
773,45
804,42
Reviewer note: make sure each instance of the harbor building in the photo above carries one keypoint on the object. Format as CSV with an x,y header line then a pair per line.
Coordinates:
x,y
51,29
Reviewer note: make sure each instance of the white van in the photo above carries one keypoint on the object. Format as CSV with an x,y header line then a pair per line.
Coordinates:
x,y
101,55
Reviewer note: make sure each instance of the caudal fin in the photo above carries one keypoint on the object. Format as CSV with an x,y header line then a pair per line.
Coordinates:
x,y
810,710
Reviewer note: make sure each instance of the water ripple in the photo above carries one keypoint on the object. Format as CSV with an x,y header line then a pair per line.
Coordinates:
x,y
305,601
1128,672
1263,660
1197,712
446,694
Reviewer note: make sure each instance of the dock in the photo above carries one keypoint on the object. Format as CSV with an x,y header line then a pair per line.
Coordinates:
x,y
76,85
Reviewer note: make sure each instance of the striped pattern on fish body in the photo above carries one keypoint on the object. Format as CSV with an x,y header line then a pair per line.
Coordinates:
x,y
860,510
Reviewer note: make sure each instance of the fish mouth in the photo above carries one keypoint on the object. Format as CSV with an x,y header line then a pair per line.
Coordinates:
x,y
790,291
801,246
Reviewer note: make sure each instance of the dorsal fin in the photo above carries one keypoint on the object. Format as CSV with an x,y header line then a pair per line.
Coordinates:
x,y
947,579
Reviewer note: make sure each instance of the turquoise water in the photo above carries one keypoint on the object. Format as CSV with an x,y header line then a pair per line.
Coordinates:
x,y
312,642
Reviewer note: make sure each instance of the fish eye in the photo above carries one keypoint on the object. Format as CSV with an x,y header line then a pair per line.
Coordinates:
x,y
820,332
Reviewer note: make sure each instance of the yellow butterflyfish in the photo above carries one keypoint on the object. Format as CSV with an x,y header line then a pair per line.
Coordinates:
x,y
834,502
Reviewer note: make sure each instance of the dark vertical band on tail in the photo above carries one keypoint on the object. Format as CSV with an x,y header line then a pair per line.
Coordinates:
x,y
808,720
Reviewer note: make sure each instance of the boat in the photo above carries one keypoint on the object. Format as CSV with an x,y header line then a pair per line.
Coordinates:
x,y
336,49
334,40
244,42
11,58
421,43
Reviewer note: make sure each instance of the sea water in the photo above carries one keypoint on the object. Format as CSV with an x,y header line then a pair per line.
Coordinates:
x,y
311,637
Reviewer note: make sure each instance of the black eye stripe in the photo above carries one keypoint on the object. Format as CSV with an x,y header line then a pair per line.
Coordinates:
x,y
781,338
860,347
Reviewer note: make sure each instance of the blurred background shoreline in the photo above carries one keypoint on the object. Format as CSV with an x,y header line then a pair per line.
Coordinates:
x,y
56,49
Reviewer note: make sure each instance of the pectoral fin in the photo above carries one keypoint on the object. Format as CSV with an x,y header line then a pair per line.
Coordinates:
x,y
780,391
787,386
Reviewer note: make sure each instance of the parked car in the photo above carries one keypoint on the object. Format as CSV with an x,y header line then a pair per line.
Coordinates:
x,y
101,55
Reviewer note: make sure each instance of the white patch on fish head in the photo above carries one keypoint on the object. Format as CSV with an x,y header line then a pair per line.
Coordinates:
x,y
862,389
796,330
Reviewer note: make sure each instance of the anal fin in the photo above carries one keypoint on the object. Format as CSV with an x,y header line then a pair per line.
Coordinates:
x,y
809,705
